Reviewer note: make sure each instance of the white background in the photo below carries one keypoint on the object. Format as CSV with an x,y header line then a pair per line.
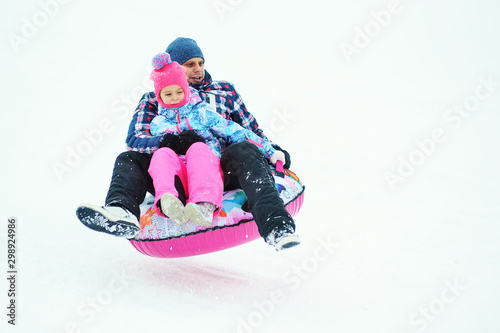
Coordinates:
x,y
347,121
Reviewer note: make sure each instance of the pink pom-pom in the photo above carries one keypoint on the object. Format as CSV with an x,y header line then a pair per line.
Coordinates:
x,y
160,60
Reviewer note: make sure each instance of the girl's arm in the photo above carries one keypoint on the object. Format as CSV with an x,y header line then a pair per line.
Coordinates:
x,y
233,132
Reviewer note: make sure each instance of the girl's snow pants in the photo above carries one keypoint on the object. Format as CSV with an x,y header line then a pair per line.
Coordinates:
x,y
200,174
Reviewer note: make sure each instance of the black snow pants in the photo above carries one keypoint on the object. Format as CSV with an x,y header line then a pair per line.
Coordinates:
x,y
244,167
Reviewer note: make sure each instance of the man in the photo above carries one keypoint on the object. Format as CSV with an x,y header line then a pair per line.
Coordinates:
x,y
243,164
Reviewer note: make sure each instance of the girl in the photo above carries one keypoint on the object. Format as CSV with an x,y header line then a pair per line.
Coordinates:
x,y
180,110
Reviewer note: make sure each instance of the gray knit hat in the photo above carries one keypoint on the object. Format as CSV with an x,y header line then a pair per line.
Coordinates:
x,y
182,49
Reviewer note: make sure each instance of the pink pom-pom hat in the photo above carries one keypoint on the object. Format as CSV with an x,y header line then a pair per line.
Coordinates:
x,y
166,73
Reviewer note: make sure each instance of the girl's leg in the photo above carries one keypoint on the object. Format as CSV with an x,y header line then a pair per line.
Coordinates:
x,y
205,182
165,166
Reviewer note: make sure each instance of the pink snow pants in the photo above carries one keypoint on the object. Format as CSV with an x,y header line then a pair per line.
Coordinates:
x,y
200,174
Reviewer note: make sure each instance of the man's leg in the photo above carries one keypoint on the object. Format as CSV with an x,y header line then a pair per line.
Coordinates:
x,y
246,167
130,182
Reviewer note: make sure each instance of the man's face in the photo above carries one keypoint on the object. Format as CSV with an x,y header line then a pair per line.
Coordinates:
x,y
195,70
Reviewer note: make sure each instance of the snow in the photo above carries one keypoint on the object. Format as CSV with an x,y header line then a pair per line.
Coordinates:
x,y
419,254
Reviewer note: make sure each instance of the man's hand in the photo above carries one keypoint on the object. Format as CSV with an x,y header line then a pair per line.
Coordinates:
x,y
277,156
288,161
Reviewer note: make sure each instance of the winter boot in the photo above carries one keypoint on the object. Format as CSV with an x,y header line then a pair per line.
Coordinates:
x,y
172,208
201,213
282,237
112,220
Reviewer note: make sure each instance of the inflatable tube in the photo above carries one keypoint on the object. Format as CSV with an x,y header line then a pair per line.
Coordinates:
x,y
160,237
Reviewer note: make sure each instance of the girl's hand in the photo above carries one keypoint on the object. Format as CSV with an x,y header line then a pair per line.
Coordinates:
x,y
278,156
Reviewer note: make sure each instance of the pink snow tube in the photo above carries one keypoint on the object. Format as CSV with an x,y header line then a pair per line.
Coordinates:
x,y
160,237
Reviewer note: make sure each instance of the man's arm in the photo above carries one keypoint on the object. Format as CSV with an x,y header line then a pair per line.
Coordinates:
x,y
235,107
241,116
231,131
139,137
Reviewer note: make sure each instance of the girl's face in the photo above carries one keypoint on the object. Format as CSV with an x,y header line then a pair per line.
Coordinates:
x,y
172,94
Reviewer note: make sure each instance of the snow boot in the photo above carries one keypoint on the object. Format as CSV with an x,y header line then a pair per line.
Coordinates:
x,y
112,220
201,213
172,208
282,237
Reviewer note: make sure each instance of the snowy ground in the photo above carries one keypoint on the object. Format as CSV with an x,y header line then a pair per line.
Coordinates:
x,y
390,110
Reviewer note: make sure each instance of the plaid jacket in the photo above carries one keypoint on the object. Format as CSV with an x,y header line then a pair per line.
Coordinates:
x,y
221,94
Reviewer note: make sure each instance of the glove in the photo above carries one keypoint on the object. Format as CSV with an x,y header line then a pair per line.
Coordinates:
x,y
180,143
287,163
278,156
